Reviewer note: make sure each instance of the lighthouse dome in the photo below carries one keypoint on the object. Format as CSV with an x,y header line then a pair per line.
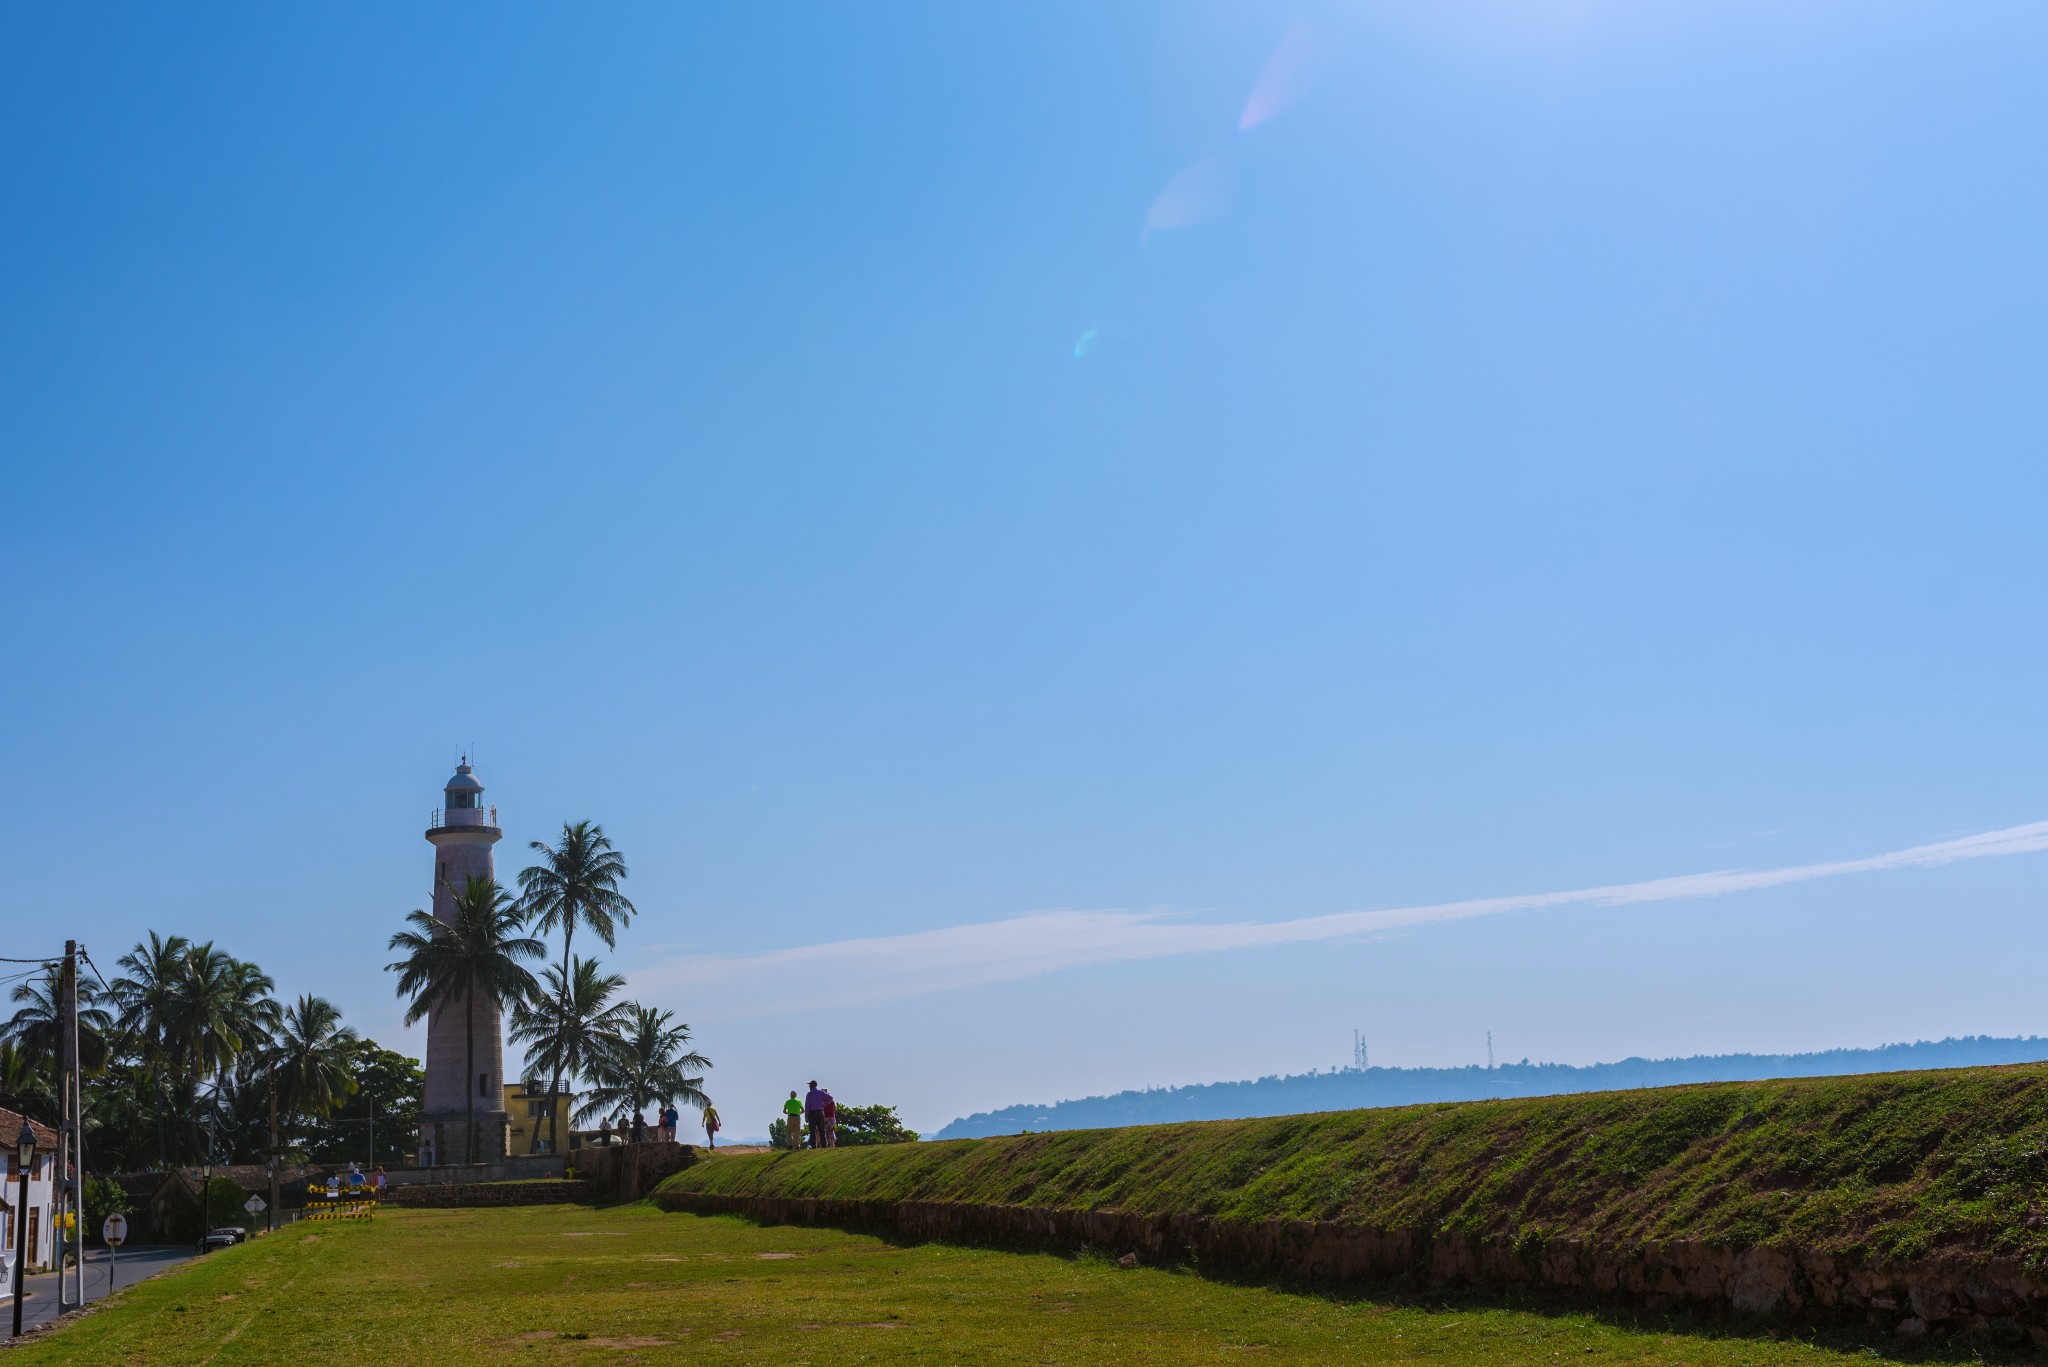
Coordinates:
x,y
463,788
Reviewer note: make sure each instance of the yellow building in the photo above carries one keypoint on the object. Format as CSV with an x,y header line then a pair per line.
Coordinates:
x,y
529,1113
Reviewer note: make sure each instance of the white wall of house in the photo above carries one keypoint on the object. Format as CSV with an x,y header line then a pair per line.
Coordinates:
x,y
42,1205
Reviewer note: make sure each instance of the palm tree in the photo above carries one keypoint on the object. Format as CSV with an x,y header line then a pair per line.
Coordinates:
x,y
25,1081
475,955
577,880
34,1026
646,1062
144,995
568,1027
312,1052
219,1007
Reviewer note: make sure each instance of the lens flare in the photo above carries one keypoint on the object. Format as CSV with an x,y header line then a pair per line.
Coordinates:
x,y
1198,192
1085,347
1285,78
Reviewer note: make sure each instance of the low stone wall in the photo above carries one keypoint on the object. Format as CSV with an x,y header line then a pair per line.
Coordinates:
x,y
256,1176
542,1193
1907,1297
517,1168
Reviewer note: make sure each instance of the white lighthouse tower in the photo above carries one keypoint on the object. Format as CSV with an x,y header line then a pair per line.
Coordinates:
x,y
462,834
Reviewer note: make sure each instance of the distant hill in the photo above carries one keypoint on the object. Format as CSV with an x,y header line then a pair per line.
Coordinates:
x,y
1356,1088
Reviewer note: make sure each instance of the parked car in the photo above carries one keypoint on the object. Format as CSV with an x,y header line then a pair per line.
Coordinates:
x,y
225,1237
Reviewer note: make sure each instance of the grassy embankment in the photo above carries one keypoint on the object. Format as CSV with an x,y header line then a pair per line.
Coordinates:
x,y
1903,1165
572,1285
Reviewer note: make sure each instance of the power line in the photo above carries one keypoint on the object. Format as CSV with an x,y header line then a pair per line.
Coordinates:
x,y
95,969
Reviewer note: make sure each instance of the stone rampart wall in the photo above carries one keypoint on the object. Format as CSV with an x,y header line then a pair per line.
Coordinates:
x,y
629,1171
1908,1297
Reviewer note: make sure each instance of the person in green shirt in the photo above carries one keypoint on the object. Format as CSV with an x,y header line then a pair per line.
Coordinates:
x,y
793,1122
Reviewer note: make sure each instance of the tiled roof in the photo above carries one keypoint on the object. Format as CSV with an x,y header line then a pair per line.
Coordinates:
x,y
10,1126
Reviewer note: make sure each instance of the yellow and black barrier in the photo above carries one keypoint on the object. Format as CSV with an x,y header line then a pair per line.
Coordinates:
x,y
346,1208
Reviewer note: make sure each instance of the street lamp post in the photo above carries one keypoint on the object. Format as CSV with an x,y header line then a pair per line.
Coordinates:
x,y
25,1152
206,1181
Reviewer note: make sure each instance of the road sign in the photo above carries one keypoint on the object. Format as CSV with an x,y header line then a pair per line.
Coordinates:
x,y
115,1230
254,1205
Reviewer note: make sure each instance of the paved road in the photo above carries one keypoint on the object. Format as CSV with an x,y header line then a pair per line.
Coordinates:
x,y
131,1267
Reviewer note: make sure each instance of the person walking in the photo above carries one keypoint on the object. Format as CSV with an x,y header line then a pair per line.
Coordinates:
x,y
711,1125
639,1129
604,1131
377,1181
793,1121
831,1109
673,1121
814,1115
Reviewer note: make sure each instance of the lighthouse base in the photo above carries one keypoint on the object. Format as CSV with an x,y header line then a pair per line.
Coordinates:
x,y
442,1141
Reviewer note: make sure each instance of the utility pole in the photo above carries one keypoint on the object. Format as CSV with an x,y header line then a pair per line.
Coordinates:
x,y
70,1234
77,1139
1489,1051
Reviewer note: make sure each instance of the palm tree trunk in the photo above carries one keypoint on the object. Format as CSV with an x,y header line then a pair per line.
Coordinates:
x,y
199,1148
555,1085
163,1152
469,1071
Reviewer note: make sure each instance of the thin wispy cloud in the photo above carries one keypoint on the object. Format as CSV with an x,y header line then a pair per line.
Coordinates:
x,y
894,966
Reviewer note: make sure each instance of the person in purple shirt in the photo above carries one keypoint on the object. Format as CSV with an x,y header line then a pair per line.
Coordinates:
x,y
814,1115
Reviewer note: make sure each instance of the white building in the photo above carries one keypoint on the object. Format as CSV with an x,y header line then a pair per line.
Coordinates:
x,y
42,1190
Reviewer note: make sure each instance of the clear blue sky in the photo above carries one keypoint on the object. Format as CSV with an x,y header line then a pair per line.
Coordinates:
x,y
1556,444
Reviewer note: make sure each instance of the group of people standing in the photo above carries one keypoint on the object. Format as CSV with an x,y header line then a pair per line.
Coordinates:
x,y
638,1131
815,1118
353,1183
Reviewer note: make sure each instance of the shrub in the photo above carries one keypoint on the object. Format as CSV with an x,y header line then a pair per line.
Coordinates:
x,y
103,1196
863,1125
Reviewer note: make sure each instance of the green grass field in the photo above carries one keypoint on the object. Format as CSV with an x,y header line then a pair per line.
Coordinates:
x,y
568,1284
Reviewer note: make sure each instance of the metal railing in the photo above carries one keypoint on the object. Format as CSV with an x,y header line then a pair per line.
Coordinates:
x,y
440,820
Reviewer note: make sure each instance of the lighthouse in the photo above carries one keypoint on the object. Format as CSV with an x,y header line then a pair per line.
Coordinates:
x,y
462,833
